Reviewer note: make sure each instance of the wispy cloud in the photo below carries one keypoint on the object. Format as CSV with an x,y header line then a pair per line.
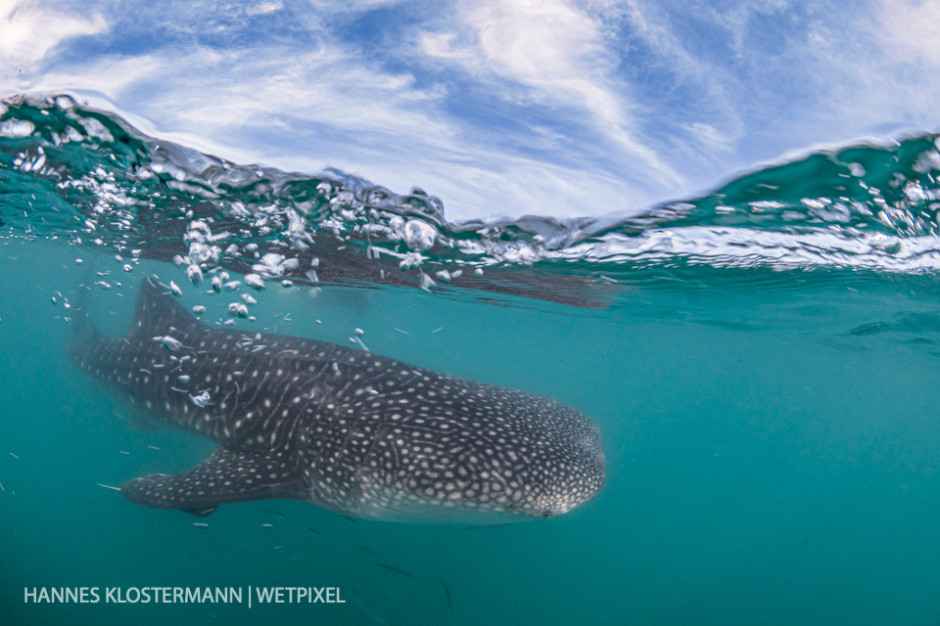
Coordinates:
x,y
28,31
910,27
500,107
558,52
324,104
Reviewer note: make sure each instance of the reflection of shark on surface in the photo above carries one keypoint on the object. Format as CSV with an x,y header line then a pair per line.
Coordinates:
x,y
344,429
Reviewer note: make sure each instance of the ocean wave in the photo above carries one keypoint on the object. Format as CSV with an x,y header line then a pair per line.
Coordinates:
x,y
88,176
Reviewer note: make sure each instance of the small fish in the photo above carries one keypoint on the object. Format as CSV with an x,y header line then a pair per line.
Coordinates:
x,y
397,570
312,530
365,549
870,329
447,595
108,486
488,526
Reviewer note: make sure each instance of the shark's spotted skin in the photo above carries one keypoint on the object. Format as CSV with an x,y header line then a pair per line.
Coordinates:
x,y
348,430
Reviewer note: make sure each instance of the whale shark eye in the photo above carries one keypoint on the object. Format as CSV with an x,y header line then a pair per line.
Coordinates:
x,y
545,513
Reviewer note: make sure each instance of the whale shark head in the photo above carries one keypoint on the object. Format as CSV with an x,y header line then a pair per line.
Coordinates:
x,y
448,448
345,429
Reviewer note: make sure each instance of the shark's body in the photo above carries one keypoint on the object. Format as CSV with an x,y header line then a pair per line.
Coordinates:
x,y
355,432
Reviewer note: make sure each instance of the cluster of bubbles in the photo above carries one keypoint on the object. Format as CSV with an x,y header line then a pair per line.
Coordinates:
x,y
86,174
89,176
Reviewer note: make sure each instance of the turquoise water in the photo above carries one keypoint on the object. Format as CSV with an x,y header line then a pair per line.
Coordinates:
x,y
762,362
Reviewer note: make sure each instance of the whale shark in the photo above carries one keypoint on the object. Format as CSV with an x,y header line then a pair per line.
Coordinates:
x,y
358,433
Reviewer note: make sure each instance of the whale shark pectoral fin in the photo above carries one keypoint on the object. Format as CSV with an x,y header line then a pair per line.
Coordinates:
x,y
226,476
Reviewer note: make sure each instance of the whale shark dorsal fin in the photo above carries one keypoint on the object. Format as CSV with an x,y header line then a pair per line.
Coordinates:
x,y
226,476
157,311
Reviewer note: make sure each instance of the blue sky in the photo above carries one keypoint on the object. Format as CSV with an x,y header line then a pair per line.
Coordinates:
x,y
499,107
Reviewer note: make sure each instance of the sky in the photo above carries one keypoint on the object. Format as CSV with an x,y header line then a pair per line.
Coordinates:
x,y
499,107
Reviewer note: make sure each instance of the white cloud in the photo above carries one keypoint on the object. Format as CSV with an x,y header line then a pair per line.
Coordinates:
x,y
28,31
324,105
376,124
603,118
214,93
559,53
538,42
445,46
264,8
908,26
707,135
